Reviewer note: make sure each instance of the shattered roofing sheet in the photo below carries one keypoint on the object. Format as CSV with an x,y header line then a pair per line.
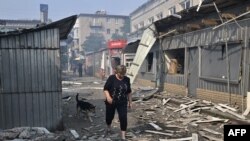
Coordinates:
x,y
64,26
188,14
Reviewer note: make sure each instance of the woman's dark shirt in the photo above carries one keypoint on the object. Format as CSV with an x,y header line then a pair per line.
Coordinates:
x,y
118,89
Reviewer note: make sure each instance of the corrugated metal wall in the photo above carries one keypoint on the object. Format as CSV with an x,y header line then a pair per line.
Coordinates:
x,y
30,80
209,37
205,37
175,79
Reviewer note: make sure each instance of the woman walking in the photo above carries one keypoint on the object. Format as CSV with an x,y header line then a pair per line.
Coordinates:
x,y
117,91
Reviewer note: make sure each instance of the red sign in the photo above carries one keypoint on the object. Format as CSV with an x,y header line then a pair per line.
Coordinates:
x,y
116,44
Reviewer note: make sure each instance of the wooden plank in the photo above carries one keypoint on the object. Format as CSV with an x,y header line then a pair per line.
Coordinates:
x,y
227,107
211,131
228,15
213,119
190,102
187,106
246,112
171,108
155,126
193,138
168,33
179,139
194,26
201,108
207,102
220,108
241,15
209,22
248,105
160,133
237,115
164,101
209,137
74,133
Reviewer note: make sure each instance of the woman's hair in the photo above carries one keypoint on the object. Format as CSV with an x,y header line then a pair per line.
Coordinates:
x,y
120,69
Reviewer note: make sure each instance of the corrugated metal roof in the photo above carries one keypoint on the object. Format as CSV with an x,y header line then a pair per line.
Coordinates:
x,y
65,25
131,47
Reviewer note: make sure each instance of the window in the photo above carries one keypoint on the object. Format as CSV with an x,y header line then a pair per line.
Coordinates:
x,y
175,62
116,21
129,62
159,16
141,25
172,10
96,30
150,20
214,62
96,22
116,31
185,4
108,20
136,27
108,31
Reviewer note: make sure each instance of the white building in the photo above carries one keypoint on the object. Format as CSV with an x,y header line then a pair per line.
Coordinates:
x,y
101,23
154,10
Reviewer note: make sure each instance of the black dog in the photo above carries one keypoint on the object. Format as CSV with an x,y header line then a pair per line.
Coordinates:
x,y
85,107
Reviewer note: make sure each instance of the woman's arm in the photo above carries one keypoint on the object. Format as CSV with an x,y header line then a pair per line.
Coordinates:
x,y
107,96
130,100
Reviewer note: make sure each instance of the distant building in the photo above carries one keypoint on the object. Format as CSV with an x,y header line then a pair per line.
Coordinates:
x,y
44,8
100,23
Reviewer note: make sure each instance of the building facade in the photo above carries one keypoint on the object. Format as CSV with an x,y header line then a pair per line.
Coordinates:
x,y
154,10
100,23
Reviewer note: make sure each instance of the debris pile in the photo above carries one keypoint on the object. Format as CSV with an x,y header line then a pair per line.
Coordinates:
x,y
29,133
161,118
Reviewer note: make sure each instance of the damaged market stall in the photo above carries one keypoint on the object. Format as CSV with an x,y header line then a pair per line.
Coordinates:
x,y
210,63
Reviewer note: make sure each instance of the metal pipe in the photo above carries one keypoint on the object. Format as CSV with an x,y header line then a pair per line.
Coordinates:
x,y
218,12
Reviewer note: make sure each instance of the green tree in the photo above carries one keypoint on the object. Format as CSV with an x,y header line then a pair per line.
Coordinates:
x,y
125,29
94,42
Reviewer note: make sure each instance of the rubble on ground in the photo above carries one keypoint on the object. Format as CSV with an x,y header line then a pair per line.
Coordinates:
x,y
155,116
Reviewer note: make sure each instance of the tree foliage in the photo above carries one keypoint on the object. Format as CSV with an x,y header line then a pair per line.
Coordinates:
x,y
94,42
125,29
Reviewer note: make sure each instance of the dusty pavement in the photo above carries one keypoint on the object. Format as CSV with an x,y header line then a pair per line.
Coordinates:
x,y
90,88
161,116
150,119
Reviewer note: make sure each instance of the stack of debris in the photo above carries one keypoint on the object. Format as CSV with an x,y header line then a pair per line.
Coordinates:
x,y
29,133
162,119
